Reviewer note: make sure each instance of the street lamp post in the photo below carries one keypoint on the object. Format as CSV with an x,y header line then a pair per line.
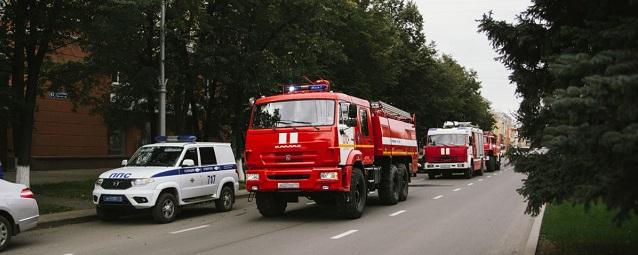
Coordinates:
x,y
162,90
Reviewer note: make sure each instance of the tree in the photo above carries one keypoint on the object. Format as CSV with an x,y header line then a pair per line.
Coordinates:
x,y
574,64
35,28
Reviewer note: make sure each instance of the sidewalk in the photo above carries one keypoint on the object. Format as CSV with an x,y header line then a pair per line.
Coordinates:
x,y
57,176
86,215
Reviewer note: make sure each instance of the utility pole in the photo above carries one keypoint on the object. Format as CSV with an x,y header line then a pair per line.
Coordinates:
x,y
162,90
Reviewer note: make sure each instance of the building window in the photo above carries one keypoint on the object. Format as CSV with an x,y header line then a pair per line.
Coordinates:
x,y
117,142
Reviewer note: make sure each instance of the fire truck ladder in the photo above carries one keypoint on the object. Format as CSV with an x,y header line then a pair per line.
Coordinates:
x,y
390,109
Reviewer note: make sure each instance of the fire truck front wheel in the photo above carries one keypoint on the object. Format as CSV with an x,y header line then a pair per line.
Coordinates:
x,y
404,177
350,205
390,185
270,205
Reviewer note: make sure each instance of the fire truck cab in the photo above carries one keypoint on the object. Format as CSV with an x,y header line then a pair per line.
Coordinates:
x,y
330,147
455,148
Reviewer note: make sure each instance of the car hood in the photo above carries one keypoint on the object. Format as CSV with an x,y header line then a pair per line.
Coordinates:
x,y
139,172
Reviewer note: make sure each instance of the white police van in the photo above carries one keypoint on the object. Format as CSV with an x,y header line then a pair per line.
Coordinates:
x,y
164,176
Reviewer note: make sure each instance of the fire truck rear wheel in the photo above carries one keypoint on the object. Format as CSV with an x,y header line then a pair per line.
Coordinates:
x,y
270,205
351,204
498,164
431,175
390,185
491,164
469,172
403,173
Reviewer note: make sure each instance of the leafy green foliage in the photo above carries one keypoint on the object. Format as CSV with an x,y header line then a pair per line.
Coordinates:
x,y
575,65
220,53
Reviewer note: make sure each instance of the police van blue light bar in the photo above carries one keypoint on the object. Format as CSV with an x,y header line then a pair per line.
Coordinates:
x,y
179,138
306,88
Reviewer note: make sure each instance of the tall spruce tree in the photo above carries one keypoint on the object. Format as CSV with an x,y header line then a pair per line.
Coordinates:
x,y
575,65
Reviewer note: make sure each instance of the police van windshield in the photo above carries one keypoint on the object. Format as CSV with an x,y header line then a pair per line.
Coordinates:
x,y
446,139
156,156
295,113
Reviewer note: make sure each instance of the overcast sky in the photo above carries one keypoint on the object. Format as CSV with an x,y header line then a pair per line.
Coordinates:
x,y
452,25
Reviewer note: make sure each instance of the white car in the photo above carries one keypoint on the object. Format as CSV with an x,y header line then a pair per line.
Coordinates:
x,y
164,176
18,211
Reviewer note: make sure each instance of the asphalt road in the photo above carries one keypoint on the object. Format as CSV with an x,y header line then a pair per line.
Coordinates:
x,y
483,215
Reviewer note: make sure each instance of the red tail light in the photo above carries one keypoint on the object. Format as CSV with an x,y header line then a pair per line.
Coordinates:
x,y
26,193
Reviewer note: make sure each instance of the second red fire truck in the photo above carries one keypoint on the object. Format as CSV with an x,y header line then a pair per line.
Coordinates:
x,y
330,147
455,148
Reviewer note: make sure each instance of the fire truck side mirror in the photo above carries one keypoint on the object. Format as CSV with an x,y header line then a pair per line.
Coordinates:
x,y
352,111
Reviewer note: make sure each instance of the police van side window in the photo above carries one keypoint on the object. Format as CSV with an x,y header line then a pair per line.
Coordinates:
x,y
208,155
191,154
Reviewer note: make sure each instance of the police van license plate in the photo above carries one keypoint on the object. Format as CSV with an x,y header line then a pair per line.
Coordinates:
x,y
113,199
288,185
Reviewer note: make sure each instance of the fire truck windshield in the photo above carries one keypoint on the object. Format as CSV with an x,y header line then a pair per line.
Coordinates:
x,y
294,113
156,156
447,139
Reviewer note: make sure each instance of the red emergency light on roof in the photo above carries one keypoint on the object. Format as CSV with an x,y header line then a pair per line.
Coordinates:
x,y
317,86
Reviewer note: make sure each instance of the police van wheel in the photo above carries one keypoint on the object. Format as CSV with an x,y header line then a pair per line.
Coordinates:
x,y
350,205
226,200
269,205
390,185
165,209
6,232
403,173
105,214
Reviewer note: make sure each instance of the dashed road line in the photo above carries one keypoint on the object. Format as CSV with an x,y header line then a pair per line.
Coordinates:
x,y
397,213
311,203
489,176
457,189
349,232
470,184
437,197
480,180
189,229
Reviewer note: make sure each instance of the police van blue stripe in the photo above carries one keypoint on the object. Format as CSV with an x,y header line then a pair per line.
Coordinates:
x,y
193,170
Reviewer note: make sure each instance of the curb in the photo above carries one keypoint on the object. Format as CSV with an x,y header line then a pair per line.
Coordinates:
x,y
86,215
532,241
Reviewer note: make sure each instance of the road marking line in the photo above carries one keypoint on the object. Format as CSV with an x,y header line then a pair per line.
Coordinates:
x,y
470,184
489,176
397,213
310,203
437,197
480,180
457,189
344,234
189,229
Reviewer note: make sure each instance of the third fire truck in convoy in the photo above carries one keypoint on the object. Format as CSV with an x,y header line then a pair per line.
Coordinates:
x,y
330,147
492,150
455,148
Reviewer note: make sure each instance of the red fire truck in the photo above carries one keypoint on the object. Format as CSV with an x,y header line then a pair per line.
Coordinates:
x,y
455,148
330,147
492,152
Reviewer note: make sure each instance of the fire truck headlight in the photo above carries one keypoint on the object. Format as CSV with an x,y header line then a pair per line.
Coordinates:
x,y
252,177
329,176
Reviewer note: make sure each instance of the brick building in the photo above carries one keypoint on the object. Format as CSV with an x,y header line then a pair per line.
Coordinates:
x,y
65,137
